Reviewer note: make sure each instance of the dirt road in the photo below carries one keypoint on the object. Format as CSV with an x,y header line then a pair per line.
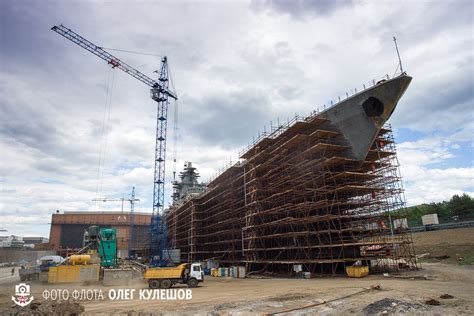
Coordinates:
x,y
449,275
264,296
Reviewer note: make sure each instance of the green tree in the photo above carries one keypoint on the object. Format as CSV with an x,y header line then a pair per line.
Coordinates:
x,y
462,206
443,210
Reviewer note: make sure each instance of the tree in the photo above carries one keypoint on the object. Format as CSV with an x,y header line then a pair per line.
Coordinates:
x,y
443,210
462,206
458,207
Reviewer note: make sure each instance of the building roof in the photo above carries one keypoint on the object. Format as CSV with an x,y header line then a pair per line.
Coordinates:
x,y
100,213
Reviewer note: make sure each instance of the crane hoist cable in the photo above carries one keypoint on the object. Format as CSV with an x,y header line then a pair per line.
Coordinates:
x,y
176,110
175,138
175,125
107,131
132,52
104,135
99,163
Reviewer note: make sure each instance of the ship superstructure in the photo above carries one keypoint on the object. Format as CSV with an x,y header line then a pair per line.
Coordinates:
x,y
188,186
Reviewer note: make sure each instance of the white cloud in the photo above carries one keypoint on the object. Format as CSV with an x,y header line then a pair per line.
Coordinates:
x,y
425,183
236,66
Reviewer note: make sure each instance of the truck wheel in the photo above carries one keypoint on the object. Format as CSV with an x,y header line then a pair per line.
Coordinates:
x,y
154,284
166,284
192,282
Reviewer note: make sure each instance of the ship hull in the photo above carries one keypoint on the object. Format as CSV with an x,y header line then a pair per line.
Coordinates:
x,y
360,117
315,193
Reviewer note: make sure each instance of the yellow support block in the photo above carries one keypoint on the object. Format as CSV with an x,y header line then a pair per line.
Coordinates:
x,y
73,273
357,271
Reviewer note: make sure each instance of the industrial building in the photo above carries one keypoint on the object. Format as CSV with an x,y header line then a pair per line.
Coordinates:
x,y
11,242
68,228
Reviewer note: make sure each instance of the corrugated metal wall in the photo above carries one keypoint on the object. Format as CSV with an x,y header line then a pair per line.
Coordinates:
x,y
67,230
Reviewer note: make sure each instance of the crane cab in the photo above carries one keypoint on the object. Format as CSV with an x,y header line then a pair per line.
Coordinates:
x,y
155,94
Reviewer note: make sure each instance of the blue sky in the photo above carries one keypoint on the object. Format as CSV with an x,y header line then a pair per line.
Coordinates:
x,y
236,66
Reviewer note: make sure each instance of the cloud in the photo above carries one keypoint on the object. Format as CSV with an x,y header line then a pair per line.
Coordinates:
x,y
236,66
227,120
301,8
425,181
446,94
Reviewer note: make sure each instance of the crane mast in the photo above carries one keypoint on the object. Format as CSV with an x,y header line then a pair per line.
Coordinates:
x,y
160,93
132,232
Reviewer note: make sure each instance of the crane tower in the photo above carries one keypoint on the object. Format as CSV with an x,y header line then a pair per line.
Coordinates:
x,y
160,93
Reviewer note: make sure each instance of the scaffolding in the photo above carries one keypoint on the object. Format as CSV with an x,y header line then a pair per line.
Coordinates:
x,y
298,198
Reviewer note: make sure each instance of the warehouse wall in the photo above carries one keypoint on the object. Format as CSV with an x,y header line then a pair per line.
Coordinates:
x,y
67,230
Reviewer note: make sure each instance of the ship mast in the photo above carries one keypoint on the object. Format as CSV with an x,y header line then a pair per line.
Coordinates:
x,y
398,54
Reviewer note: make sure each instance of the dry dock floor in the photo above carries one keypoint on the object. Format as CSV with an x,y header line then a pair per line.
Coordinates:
x,y
403,294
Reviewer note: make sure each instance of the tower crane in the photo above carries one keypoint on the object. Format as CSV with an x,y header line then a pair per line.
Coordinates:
x,y
132,233
160,93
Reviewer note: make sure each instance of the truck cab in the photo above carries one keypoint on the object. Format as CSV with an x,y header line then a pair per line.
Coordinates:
x,y
196,272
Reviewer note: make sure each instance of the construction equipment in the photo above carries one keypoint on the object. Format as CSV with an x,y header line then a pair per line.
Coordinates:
x,y
108,247
190,274
132,199
103,240
79,259
132,236
83,267
159,93
33,272
132,232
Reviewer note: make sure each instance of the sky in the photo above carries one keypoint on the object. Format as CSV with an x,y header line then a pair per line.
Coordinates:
x,y
72,130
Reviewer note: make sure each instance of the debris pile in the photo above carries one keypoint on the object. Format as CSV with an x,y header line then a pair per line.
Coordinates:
x,y
391,306
48,308
432,301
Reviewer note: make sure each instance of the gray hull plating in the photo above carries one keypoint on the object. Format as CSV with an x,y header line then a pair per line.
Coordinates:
x,y
361,117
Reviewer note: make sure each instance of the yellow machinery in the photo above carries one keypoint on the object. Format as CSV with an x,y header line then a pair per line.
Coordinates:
x,y
81,267
79,259
78,269
190,274
73,273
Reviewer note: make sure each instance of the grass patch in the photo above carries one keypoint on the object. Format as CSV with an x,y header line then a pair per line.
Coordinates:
x,y
466,260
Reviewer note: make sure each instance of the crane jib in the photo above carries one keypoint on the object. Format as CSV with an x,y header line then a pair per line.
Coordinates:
x,y
109,58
